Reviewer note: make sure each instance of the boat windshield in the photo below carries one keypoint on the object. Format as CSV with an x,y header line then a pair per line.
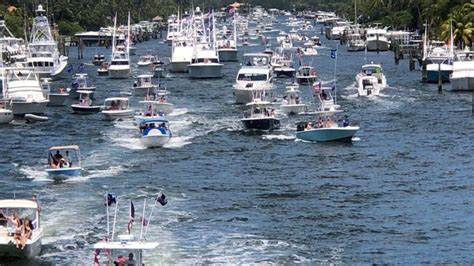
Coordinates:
x,y
252,77
23,214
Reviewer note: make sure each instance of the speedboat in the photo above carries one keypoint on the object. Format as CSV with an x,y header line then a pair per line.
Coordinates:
x,y
103,70
154,106
56,98
438,64
291,103
462,78
158,69
155,132
25,209
143,84
371,80
117,108
205,63
261,116
306,75
6,113
146,60
85,107
377,40
253,77
309,50
81,82
98,59
64,162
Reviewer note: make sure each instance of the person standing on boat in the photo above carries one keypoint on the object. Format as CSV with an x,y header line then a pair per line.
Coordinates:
x,y
68,159
130,261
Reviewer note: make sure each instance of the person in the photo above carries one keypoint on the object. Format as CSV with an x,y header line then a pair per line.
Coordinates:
x,y
119,261
16,228
272,112
309,126
26,234
130,261
56,159
328,123
113,106
324,95
68,159
149,112
319,124
345,121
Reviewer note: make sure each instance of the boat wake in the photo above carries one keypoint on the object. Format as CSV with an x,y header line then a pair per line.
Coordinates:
x,y
278,137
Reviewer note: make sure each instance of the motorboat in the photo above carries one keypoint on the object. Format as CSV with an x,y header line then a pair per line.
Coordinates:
x,y
182,51
143,84
282,66
155,132
80,82
119,67
26,210
146,60
98,59
255,76
103,70
205,64
462,78
22,88
227,47
355,43
309,50
316,40
306,75
376,40
158,69
84,106
439,64
6,113
43,54
58,98
64,162
260,117
287,44
371,80
291,103
117,108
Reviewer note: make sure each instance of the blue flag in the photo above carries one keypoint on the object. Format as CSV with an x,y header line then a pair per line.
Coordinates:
x,y
333,53
70,68
162,199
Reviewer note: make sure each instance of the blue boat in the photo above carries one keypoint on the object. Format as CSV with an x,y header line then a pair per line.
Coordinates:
x,y
155,132
64,162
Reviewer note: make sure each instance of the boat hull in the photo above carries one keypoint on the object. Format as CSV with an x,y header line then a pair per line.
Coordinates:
x,y
432,76
85,110
114,115
57,99
63,173
377,45
119,73
284,72
462,84
267,123
155,141
293,109
245,95
228,55
31,250
23,108
6,116
203,71
142,90
305,80
327,134
179,67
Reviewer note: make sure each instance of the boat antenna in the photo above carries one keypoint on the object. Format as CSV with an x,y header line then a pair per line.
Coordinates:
x,y
334,81
115,218
142,219
107,211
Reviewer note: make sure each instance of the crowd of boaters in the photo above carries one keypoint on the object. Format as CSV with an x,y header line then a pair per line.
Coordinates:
x,y
328,123
59,161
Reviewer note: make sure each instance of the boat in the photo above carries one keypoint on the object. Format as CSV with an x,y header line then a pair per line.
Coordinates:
x,y
253,77
25,209
43,54
143,84
370,80
64,162
355,43
376,40
98,59
438,64
306,75
80,82
181,54
205,64
117,108
282,66
6,113
30,118
287,44
155,132
227,48
158,69
22,88
103,70
291,103
119,67
309,50
146,60
462,78
84,106
260,117
316,40
58,98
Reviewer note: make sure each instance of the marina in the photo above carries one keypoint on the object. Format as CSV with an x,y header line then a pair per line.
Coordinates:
x,y
250,176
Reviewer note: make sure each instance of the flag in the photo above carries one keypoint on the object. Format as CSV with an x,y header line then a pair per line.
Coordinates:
x,y
70,68
333,88
110,200
317,87
132,217
162,199
333,53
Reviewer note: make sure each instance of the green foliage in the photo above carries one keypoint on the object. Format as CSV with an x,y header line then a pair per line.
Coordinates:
x,y
69,28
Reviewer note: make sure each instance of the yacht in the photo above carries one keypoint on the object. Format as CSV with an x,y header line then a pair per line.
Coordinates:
x,y
438,59
260,117
462,78
376,40
227,47
253,77
306,75
355,43
371,80
181,54
119,67
205,63
43,54
292,103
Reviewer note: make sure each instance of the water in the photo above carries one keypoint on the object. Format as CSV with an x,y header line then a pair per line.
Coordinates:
x,y
400,193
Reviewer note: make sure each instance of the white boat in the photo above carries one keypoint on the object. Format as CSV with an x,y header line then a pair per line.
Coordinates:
x,y
25,209
103,70
143,84
462,78
84,106
6,113
57,98
155,105
155,132
282,66
181,54
117,108
119,67
43,54
260,117
291,103
287,44
254,77
22,88
64,162
306,75
146,60
376,40
355,43
205,64
438,64
98,59
371,80
81,83
326,134
309,50
227,48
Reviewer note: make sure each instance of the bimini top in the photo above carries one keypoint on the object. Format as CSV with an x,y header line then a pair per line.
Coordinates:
x,y
70,147
14,203
160,119
135,245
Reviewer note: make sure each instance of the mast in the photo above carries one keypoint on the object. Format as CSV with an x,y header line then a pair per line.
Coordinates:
x,y
128,36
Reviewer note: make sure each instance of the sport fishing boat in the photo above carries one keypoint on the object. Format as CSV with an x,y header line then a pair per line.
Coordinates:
x,y
64,162
227,48
291,103
376,40
205,64
181,54
80,83
254,77
462,78
43,54
84,106
119,67
306,75
143,84
261,116
155,132
371,80
117,108
27,210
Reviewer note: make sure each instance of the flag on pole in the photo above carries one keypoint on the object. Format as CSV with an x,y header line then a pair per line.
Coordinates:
x,y
333,87
110,200
333,53
132,217
162,199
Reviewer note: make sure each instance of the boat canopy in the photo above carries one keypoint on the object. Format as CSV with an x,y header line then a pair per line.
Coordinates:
x,y
20,203
70,147
160,119
126,246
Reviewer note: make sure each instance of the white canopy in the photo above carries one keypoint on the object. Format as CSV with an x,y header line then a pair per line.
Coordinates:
x,y
14,203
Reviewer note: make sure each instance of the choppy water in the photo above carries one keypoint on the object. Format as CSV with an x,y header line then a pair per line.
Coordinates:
x,y
400,193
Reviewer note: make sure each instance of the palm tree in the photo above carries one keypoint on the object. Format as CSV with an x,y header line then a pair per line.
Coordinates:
x,y
461,21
